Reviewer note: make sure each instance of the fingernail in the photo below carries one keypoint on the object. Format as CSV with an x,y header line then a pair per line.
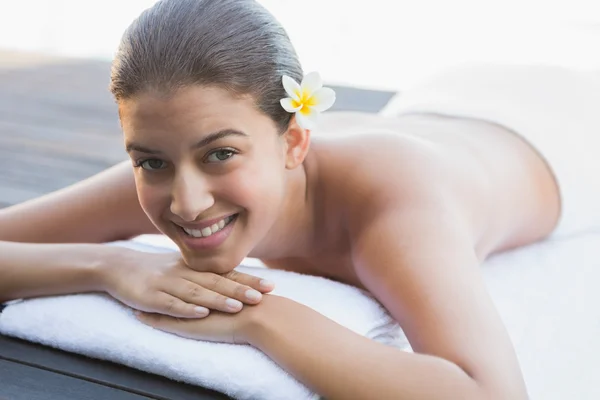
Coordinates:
x,y
266,284
201,310
233,304
253,295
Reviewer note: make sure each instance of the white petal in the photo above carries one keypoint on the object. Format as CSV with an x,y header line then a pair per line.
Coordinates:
x,y
311,83
292,88
287,105
308,121
324,99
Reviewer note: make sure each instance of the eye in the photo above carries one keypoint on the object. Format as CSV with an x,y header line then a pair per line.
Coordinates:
x,y
220,155
151,164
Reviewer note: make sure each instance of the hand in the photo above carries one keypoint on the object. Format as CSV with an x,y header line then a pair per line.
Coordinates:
x,y
162,283
222,327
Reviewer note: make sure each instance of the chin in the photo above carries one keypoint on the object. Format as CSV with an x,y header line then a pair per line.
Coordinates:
x,y
218,264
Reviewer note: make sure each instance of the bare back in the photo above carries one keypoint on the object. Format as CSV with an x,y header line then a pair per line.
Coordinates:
x,y
508,192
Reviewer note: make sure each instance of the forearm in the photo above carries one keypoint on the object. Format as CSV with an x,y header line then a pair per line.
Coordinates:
x,y
339,364
32,270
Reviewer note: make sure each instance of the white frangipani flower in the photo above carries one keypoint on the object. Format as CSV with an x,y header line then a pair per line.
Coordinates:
x,y
307,99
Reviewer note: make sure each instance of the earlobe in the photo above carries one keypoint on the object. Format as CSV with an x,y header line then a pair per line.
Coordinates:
x,y
298,143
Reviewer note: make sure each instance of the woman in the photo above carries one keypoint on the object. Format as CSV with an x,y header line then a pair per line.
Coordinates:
x,y
405,207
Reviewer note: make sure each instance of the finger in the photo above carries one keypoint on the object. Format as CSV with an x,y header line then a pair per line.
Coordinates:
x,y
226,287
191,292
167,304
260,284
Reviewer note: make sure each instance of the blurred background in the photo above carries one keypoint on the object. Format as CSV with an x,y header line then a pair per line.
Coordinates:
x,y
381,44
58,123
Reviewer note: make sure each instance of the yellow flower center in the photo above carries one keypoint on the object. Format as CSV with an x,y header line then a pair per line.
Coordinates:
x,y
306,101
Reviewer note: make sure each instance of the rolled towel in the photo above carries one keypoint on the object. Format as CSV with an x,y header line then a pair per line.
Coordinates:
x,y
98,326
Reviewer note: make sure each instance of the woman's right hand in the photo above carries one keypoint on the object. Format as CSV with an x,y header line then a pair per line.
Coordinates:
x,y
162,283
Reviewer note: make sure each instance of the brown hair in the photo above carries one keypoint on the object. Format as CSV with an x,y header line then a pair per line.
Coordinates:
x,y
234,44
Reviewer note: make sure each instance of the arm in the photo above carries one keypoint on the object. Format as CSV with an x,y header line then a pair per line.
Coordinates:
x,y
145,281
413,240
427,276
30,270
429,280
101,208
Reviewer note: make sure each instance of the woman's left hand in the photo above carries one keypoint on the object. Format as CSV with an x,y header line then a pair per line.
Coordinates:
x,y
217,327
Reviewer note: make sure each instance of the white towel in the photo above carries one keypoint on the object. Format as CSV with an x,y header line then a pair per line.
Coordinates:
x,y
547,295
98,326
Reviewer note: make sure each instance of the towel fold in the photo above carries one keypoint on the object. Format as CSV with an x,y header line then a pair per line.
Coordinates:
x,y
98,326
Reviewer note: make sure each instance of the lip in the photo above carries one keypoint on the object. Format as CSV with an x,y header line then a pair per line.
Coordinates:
x,y
207,243
205,223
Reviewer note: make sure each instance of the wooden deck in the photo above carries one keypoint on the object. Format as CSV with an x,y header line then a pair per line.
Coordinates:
x,y
59,125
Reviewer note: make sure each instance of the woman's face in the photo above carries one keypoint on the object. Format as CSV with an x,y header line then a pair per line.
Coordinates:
x,y
209,171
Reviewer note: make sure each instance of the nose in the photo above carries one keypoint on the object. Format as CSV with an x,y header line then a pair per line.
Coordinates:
x,y
190,195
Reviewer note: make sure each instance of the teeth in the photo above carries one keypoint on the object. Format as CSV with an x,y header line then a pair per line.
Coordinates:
x,y
208,231
193,232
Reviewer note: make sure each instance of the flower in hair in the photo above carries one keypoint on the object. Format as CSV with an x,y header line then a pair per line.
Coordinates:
x,y
307,99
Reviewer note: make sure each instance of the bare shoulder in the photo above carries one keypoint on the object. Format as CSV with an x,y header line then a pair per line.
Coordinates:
x,y
415,210
380,170
497,182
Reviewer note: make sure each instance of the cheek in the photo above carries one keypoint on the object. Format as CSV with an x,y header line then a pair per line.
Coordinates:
x,y
255,186
264,184
152,201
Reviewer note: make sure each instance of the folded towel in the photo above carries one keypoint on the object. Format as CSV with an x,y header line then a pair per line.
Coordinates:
x,y
546,294
98,326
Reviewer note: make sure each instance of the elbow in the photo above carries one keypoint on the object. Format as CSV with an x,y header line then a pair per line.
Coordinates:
x,y
478,391
500,391
491,386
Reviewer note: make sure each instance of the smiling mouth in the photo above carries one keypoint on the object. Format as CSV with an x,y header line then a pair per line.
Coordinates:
x,y
210,230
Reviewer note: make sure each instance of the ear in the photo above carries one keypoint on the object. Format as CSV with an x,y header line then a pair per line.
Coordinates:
x,y
297,143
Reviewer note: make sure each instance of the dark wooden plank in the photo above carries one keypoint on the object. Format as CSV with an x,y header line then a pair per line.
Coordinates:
x,y
22,382
363,100
58,123
99,372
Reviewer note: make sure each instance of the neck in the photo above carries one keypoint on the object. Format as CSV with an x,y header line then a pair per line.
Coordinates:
x,y
295,232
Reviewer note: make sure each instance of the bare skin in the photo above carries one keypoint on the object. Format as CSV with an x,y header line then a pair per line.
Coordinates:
x,y
406,208
487,167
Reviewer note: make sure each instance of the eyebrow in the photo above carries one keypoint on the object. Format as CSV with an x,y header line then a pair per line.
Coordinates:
x,y
203,142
